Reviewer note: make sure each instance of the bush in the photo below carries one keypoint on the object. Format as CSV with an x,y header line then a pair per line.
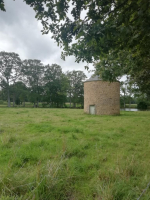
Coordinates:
x,y
17,101
65,106
142,105
44,105
1,102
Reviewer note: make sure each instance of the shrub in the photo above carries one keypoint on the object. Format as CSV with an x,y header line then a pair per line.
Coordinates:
x,y
142,105
1,102
44,105
17,101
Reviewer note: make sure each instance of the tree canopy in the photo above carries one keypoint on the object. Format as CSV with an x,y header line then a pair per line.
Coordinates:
x,y
10,67
88,29
32,81
114,33
100,30
2,5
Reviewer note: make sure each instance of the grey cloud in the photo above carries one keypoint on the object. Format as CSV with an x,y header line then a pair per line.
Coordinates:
x,y
22,30
21,33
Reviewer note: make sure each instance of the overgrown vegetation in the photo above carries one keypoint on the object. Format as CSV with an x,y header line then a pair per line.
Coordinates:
x,y
65,154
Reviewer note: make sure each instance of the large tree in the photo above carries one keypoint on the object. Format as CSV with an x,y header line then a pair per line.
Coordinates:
x,y
56,84
19,93
33,78
101,30
10,71
90,28
96,30
116,64
75,90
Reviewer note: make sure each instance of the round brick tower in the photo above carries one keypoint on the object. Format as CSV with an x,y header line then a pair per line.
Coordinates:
x,y
101,97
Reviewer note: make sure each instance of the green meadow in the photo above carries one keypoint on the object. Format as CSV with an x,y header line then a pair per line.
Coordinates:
x,y
64,154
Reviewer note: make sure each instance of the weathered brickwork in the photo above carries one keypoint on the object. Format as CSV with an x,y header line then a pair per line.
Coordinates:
x,y
104,95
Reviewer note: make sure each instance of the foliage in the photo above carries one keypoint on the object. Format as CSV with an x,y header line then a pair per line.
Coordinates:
x,y
30,80
65,154
142,105
55,85
10,68
114,65
111,67
128,90
114,33
105,25
141,76
19,92
1,102
33,76
75,91
2,7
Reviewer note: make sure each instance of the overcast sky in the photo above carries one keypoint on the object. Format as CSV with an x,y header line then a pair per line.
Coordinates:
x,y
21,33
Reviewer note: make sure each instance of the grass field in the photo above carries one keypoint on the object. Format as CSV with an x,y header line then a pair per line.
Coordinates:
x,y
31,105
131,105
64,154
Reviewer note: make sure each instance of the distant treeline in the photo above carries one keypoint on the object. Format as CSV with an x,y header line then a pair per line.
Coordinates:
x,y
31,81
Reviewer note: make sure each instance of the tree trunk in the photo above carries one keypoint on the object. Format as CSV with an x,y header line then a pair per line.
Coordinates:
x,y
124,101
130,100
70,100
24,104
130,103
13,100
74,105
8,97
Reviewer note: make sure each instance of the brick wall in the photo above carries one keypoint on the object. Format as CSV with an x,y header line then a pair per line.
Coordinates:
x,y
104,95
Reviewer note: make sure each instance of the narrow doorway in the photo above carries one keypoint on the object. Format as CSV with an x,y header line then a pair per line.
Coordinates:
x,y
92,109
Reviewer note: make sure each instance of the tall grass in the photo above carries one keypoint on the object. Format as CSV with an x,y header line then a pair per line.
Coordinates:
x,y
63,154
